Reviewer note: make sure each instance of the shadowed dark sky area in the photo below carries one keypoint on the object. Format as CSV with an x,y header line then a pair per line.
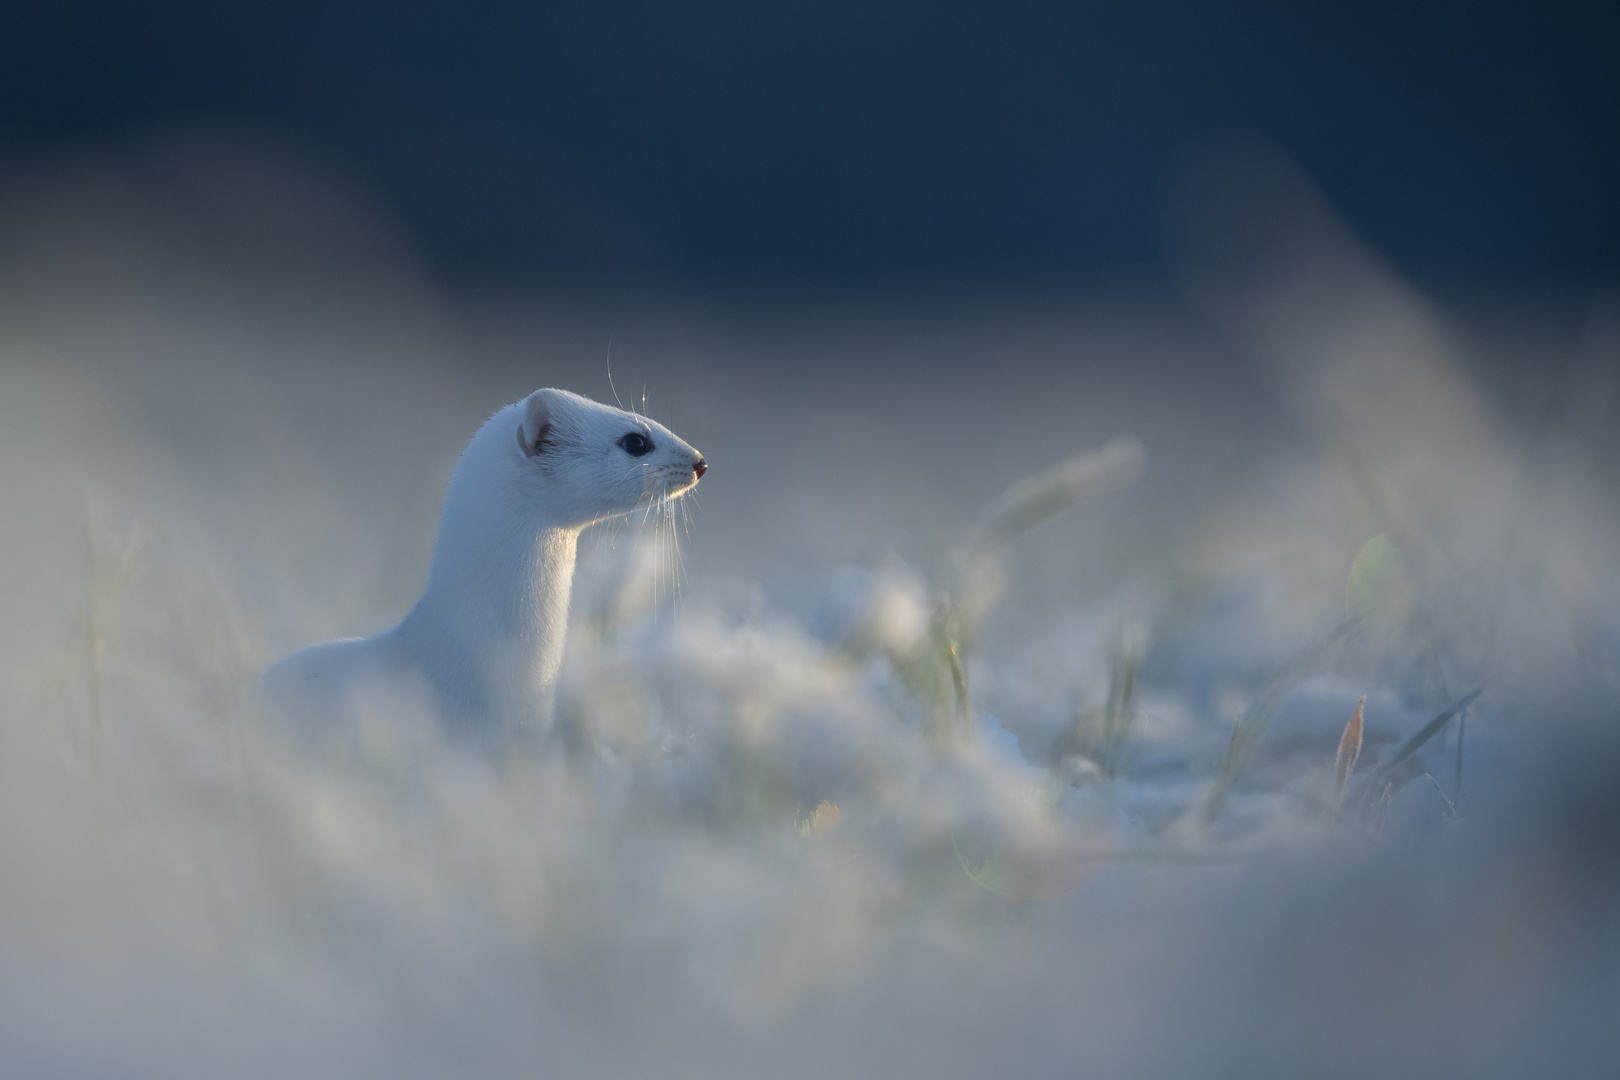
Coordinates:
x,y
845,144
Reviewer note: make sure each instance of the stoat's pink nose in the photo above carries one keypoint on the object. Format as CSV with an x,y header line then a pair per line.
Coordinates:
x,y
699,467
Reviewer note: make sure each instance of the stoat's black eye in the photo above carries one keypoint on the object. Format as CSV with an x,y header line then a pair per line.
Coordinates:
x,y
636,444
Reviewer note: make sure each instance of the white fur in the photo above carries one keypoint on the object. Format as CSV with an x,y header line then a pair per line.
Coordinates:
x,y
481,648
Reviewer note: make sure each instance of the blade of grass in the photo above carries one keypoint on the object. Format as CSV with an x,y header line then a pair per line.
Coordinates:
x,y
1415,743
1450,810
1259,715
1067,484
1429,730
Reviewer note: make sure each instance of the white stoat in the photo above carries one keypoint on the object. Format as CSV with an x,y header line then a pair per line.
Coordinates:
x,y
481,648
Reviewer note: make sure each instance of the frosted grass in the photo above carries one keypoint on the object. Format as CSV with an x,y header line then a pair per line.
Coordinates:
x,y
1078,702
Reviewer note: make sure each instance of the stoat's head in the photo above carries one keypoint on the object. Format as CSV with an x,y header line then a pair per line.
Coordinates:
x,y
590,461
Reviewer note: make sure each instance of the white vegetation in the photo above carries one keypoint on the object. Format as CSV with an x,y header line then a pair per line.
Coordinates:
x,y
885,792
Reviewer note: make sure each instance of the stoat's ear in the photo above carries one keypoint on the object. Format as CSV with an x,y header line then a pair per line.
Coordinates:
x,y
536,426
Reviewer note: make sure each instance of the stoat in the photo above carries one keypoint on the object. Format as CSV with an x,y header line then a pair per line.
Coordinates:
x,y
482,647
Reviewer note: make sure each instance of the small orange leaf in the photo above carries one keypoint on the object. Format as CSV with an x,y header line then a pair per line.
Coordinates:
x,y
1349,750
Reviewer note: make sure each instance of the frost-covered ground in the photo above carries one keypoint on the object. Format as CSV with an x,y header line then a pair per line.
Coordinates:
x,y
867,779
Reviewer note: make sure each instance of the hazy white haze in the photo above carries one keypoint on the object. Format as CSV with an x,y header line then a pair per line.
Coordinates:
x,y
869,774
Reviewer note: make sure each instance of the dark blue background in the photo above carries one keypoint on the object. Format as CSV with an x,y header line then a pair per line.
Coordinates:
x,y
837,144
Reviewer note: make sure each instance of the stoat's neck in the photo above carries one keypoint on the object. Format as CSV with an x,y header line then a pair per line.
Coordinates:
x,y
490,627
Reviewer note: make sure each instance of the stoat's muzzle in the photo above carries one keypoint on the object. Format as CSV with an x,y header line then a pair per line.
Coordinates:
x,y
673,480
685,481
